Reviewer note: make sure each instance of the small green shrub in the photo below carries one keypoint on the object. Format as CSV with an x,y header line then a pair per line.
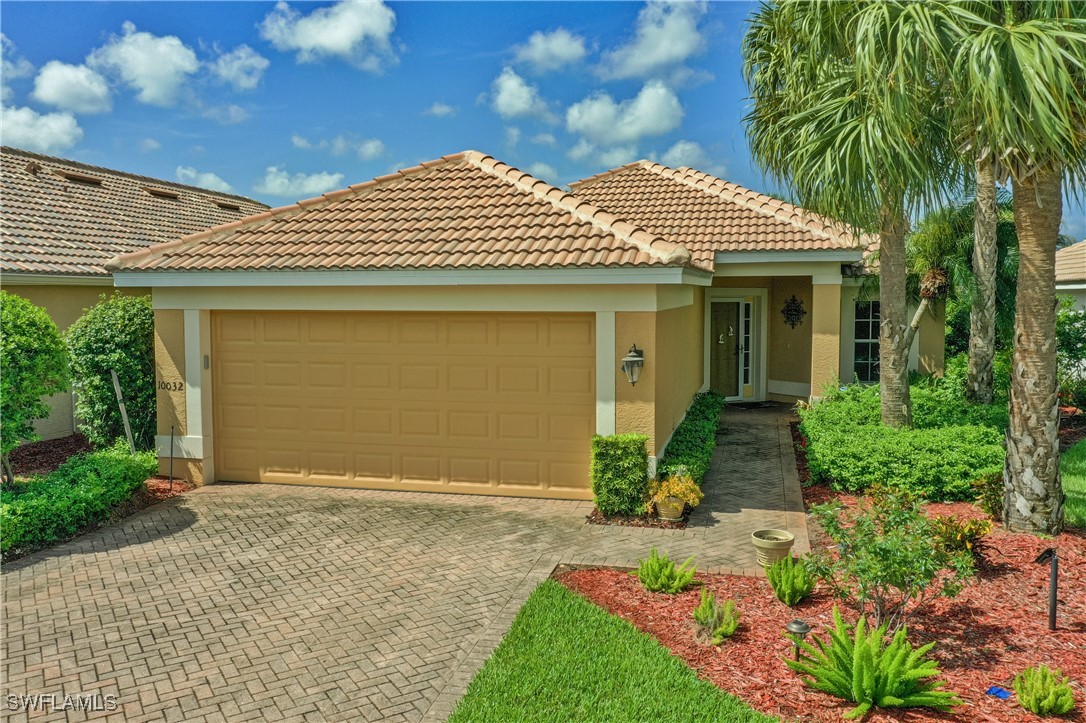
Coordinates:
x,y
891,561
715,621
620,482
958,535
1043,691
1071,352
33,365
80,493
858,665
694,440
988,493
790,580
116,333
659,574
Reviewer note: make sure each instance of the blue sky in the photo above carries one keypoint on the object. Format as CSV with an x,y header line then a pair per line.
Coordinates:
x,y
285,101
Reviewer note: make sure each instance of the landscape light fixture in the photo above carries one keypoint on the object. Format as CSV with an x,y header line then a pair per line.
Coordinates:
x,y
1053,559
798,629
632,364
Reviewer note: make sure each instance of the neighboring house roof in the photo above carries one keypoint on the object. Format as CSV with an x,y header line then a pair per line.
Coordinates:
x,y
708,215
67,218
463,211
1071,264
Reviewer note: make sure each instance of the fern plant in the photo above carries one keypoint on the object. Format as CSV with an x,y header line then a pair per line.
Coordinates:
x,y
1043,691
659,574
859,666
790,580
715,621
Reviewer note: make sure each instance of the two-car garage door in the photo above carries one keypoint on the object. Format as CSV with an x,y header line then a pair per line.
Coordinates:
x,y
452,402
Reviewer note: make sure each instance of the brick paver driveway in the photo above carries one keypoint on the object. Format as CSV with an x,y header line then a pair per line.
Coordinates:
x,y
259,602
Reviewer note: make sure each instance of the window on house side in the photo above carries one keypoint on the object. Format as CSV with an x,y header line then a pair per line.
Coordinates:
x,y
866,357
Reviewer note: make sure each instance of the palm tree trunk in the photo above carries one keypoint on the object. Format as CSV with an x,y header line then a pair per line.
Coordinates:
x,y
893,329
1032,494
979,379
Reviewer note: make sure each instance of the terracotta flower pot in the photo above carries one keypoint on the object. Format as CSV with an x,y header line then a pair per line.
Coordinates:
x,y
670,509
772,545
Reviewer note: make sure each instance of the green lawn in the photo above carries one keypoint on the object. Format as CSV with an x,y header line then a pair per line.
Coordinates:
x,y
564,659
1073,473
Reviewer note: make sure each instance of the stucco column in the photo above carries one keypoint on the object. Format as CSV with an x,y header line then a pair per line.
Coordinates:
x,y
183,386
932,339
825,334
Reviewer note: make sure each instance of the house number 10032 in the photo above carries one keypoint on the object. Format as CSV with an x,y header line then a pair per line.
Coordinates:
x,y
171,386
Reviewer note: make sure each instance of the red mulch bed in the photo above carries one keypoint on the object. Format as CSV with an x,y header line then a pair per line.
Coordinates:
x,y
598,518
44,457
1072,427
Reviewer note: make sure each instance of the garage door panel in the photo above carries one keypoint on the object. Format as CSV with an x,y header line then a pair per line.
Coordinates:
x,y
481,403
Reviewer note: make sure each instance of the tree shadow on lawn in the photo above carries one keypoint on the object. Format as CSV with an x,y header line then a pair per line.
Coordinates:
x,y
155,522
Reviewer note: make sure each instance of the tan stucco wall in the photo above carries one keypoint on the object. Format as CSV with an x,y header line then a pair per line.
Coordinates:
x,y
825,336
635,405
64,304
191,470
789,349
170,371
680,345
932,333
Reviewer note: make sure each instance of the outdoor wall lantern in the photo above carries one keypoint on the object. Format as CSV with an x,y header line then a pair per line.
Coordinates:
x,y
798,629
793,312
632,364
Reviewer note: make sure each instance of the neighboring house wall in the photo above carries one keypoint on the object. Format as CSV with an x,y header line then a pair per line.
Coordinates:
x,y
1076,292
64,303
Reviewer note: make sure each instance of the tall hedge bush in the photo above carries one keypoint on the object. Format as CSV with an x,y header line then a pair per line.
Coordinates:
x,y
694,440
33,365
620,481
116,333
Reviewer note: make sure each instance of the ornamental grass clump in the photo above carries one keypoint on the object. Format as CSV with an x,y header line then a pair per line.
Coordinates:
x,y
1043,691
659,574
858,665
715,621
790,580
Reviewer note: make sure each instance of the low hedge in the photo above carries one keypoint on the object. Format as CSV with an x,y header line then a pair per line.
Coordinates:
x,y
80,493
694,440
620,473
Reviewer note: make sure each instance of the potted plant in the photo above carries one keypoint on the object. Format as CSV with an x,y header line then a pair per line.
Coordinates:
x,y
671,494
772,545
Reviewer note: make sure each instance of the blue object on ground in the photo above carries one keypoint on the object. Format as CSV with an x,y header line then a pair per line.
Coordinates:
x,y
1001,693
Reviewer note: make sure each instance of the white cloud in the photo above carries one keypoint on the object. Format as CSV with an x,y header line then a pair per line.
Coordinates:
x,y
13,66
666,35
550,51
358,31
512,97
367,149
227,115
149,144
440,110
157,67
242,67
301,142
599,119
210,181
610,156
544,171
278,182
512,136
47,133
74,88
689,153
545,139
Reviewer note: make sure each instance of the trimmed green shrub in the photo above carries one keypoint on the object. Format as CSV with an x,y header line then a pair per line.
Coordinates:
x,y
1071,352
116,333
1043,691
80,493
715,621
958,535
988,493
858,665
659,574
33,365
891,559
620,482
790,580
694,440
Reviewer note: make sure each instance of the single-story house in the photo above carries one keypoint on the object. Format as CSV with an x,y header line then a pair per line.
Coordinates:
x,y
460,326
1071,272
64,219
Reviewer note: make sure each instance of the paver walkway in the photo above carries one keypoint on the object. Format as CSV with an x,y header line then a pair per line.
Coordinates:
x,y
246,602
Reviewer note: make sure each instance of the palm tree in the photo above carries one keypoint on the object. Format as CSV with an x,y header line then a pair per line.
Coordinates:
x,y
980,376
839,138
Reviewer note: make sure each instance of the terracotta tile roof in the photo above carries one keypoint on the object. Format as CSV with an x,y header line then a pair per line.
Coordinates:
x,y
1071,263
708,215
64,217
464,211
